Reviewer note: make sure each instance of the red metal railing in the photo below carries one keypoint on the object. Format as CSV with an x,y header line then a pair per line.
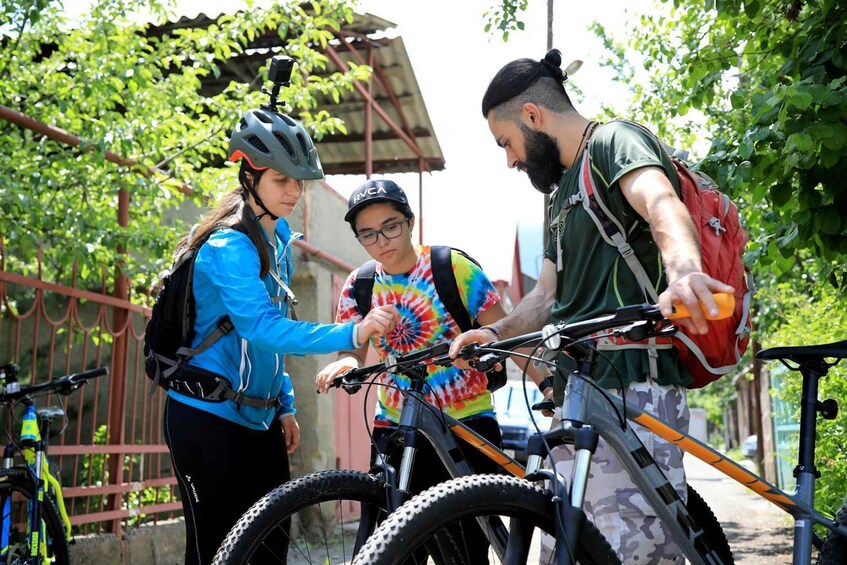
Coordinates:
x,y
114,462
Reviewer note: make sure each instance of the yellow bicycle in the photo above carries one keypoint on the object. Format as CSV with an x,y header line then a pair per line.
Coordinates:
x,y
35,525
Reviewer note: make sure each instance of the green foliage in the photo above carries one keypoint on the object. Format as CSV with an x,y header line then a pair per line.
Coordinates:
x,y
104,79
504,17
768,79
820,317
714,399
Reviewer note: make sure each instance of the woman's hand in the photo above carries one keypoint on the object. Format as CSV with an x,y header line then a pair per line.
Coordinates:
x,y
291,431
334,369
378,322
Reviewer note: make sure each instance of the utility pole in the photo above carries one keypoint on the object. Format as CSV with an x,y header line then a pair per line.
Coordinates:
x,y
546,229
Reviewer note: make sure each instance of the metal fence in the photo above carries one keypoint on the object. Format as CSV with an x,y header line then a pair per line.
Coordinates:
x,y
115,467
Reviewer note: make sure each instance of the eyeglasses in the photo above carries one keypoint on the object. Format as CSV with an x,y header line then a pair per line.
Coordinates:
x,y
369,237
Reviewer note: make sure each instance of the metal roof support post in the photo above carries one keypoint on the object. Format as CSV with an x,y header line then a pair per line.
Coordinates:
x,y
379,73
369,148
118,371
420,200
410,142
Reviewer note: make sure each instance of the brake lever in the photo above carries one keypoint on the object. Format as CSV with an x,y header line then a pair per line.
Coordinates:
x,y
350,387
469,352
544,405
641,330
487,361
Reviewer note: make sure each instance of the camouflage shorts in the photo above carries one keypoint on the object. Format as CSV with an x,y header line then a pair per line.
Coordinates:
x,y
612,502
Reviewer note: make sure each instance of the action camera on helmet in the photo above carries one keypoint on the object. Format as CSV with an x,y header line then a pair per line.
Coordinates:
x,y
279,73
280,70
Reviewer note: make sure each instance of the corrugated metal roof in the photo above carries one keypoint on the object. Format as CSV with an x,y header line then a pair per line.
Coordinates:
x,y
346,154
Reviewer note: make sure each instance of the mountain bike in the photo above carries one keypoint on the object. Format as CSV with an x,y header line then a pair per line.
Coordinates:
x,y
35,525
295,523
589,412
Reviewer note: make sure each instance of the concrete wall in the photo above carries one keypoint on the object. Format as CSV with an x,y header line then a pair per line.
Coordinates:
x,y
162,544
320,217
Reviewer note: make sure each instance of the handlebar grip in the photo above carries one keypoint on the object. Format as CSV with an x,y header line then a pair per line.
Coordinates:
x,y
90,374
724,301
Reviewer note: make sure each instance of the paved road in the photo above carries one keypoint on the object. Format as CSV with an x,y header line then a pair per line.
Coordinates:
x,y
758,532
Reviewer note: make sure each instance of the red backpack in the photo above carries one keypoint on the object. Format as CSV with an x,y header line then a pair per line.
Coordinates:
x,y
722,241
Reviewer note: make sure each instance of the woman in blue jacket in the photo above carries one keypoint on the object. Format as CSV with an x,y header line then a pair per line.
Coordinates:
x,y
228,453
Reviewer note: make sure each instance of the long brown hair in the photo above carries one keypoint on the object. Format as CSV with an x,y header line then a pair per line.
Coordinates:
x,y
233,212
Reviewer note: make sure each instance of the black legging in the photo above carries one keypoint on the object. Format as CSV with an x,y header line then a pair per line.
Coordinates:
x,y
429,471
222,468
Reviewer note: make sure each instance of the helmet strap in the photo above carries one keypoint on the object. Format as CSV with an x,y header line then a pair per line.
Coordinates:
x,y
251,188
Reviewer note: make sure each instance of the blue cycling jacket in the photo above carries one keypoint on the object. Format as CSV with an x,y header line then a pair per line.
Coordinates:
x,y
227,282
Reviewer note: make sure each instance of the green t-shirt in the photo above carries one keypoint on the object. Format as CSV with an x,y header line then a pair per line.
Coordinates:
x,y
592,278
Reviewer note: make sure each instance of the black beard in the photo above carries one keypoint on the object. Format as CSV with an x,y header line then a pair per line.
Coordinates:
x,y
541,164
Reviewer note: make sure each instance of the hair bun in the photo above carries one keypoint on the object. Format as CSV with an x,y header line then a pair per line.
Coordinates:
x,y
552,61
553,57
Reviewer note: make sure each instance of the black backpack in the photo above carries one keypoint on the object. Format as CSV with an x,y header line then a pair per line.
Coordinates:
x,y
445,286
170,330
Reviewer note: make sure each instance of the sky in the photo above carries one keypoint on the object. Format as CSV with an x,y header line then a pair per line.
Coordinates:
x,y
476,202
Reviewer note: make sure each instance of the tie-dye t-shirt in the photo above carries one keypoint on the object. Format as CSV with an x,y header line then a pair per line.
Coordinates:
x,y
425,322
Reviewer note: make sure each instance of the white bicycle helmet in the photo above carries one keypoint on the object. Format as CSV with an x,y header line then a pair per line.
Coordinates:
x,y
268,139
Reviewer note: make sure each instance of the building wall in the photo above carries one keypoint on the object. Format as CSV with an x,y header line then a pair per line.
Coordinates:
x,y
332,426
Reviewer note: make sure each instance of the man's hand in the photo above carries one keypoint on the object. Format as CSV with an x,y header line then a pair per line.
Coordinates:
x,y
378,322
692,290
480,336
334,369
291,431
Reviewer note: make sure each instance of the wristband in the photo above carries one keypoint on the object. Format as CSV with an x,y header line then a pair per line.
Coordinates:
x,y
356,344
492,330
546,383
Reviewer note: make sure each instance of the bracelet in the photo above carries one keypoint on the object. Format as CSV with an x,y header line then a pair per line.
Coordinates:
x,y
356,344
546,383
492,330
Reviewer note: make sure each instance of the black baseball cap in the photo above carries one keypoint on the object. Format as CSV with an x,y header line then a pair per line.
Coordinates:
x,y
372,192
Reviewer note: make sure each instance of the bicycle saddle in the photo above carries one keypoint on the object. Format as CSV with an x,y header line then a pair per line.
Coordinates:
x,y
806,353
51,413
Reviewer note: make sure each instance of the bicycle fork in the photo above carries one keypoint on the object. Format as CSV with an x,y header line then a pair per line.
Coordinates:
x,y
568,512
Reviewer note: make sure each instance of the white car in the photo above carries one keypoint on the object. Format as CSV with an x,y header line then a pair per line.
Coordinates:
x,y
749,447
513,415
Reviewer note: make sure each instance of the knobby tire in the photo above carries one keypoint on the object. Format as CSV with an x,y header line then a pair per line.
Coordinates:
x,y
444,505
834,548
18,483
253,537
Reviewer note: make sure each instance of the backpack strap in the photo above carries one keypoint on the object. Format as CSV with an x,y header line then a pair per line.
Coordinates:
x,y
363,287
612,232
446,286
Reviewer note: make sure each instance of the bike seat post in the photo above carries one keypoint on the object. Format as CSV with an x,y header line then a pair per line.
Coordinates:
x,y
806,472
808,428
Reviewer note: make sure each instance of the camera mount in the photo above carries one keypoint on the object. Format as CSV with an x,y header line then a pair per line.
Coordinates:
x,y
279,73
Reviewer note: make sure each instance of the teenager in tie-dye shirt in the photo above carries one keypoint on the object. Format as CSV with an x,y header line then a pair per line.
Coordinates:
x,y
383,222
424,321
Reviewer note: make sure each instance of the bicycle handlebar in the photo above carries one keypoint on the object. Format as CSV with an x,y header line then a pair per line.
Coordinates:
x,y
636,323
62,385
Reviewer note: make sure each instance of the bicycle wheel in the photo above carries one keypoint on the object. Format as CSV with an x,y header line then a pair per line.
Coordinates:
x,y
479,496
834,548
313,519
16,487
713,533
